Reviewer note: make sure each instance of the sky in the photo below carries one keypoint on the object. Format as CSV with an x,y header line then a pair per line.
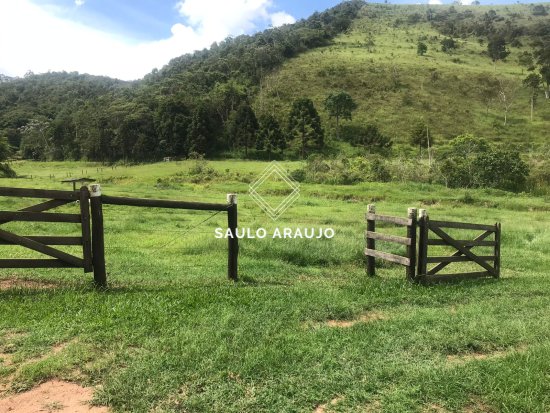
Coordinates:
x,y
126,39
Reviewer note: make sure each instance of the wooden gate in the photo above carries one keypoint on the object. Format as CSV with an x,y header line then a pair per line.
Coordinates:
x,y
43,244
464,249
409,241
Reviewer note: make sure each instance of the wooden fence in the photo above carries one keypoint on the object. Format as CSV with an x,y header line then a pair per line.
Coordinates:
x,y
92,237
420,258
409,240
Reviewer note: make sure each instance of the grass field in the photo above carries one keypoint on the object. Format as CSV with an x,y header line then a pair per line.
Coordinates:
x,y
304,330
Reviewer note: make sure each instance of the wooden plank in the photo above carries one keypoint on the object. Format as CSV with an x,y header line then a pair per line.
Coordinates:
x,y
44,249
86,229
38,193
439,267
392,220
398,259
453,277
233,242
442,234
49,240
98,237
34,263
39,217
462,225
433,260
44,206
371,242
388,238
422,242
466,243
497,250
161,203
411,247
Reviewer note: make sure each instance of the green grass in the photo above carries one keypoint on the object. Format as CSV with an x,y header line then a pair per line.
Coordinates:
x,y
173,335
393,86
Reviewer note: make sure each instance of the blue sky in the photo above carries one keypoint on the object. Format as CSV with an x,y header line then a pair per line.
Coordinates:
x,y
126,39
153,19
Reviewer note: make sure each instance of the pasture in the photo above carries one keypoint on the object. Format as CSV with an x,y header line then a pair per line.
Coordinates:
x,y
304,330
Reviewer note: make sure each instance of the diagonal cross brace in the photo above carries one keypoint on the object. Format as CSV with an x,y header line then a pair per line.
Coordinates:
x,y
39,247
44,206
442,265
464,250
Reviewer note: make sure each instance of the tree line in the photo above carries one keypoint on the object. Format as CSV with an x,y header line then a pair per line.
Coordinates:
x,y
195,104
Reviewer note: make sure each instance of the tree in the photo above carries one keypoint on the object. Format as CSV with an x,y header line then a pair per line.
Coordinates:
x,y
525,60
448,45
35,143
533,82
539,10
545,77
471,162
496,48
270,136
5,149
372,139
488,89
340,105
243,126
198,131
421,136
304,124
421,49
506,95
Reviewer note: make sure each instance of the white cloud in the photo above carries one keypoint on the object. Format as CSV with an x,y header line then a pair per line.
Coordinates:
x,y
79,2
435,2
281,18
33,38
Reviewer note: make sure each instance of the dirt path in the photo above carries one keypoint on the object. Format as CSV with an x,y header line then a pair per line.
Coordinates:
x,y
52,396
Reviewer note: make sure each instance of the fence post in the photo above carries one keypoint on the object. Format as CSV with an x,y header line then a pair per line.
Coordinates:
x,y
371,226
422,243
98,237
233,241
86,232
411,249
497,249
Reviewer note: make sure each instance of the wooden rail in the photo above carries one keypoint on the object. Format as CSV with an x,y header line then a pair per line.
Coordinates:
x,y
464,249
417,258
90,218
409,241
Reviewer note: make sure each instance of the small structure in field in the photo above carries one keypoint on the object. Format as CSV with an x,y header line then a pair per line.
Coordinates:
x,y
82,181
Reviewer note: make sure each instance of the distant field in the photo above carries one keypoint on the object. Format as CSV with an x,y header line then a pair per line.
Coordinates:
x,y
304,330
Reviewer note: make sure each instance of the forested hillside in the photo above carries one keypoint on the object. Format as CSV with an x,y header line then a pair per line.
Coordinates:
x,y
359,75
186,107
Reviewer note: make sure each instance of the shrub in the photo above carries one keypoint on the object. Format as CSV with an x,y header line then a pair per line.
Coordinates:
x,y
470,162
6,171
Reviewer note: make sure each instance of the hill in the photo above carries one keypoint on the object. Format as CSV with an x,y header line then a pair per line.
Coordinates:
x,y
233,98
376,61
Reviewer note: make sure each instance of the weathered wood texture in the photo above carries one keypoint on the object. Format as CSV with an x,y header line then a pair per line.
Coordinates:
x,y
233,242
86,229
35,263
39,193
98,237
388,238
392,220
39,217
161,203
371,243
398,259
